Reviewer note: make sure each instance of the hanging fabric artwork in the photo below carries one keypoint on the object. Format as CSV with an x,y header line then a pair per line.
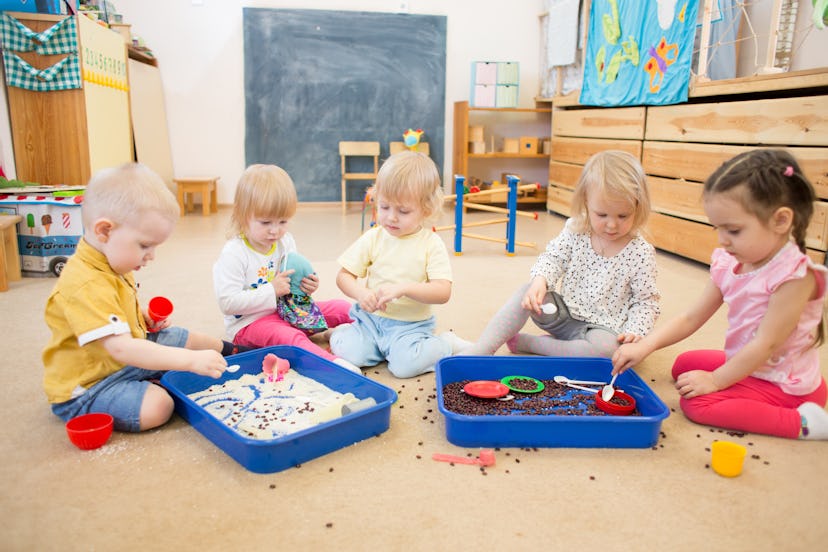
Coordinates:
x,y
637,55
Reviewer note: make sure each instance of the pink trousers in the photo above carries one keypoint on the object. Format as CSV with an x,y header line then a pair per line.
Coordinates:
x,y
753,405
272,330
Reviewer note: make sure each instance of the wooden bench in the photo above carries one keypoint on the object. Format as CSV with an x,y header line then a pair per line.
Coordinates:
x,y
9,256
206,186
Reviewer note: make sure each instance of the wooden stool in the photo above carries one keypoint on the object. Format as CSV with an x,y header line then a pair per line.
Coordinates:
x,y
206,186
9,255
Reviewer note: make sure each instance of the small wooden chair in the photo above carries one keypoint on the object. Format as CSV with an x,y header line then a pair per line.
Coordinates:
x,y
207,186
357,149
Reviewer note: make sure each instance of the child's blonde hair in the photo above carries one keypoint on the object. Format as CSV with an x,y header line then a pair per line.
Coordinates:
x,y
264,191
614,174
411,176
125,193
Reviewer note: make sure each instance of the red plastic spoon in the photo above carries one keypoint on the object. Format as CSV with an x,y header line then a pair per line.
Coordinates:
x,y
486,458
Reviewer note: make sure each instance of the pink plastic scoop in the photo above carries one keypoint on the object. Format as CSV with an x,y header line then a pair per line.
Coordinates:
x,y
486,458
274,367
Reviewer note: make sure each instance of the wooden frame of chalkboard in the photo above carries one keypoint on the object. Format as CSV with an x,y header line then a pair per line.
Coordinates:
x,y
314,77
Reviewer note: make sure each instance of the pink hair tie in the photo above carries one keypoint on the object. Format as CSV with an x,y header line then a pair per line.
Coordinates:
x,y
788,170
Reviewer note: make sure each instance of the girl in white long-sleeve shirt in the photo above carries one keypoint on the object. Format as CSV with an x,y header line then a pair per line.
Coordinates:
x,y
595,285
248,276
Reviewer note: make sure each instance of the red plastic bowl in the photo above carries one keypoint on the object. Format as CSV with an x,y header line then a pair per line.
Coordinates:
x,y
90,431
616,409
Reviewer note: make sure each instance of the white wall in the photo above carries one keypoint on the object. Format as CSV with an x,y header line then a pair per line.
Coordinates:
x,y
200,51
200,55
809,44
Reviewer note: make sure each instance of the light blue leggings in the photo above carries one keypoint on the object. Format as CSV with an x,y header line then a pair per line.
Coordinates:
x,y
411,348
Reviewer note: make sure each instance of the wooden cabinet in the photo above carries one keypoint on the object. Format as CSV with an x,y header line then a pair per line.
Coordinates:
x,y
498,125
681,145
64,136
578,134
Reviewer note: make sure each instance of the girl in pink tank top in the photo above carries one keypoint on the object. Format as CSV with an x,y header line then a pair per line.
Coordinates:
x,y
767,379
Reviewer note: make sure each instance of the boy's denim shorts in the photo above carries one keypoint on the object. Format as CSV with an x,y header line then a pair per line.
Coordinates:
x,y
122,393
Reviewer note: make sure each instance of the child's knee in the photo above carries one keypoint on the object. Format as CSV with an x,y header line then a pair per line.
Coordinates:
x,y
404,370
346,342
408,360
697,360
156,408
606,350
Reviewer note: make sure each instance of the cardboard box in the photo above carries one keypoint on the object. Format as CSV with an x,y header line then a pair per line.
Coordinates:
x,y
511,145
528,145
477,147
476,133
51,226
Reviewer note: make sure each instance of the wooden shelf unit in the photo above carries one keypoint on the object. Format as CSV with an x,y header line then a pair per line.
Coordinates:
x,y
65,136
680,145
461,156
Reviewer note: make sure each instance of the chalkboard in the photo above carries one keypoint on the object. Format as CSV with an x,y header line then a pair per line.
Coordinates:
x,y
314,77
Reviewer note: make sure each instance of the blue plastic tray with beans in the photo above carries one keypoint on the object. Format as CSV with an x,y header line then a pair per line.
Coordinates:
x,y
579,431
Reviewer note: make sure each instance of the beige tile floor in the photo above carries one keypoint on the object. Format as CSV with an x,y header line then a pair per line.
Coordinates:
x,y
170,489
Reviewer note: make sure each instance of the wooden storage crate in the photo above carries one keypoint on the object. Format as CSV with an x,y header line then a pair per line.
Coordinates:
x,y
685,143
578,134
681,145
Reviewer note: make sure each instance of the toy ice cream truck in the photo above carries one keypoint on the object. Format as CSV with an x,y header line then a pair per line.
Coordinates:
x,y
51,226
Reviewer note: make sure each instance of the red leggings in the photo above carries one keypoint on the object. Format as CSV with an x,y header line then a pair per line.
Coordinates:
x,y
272,330
753,405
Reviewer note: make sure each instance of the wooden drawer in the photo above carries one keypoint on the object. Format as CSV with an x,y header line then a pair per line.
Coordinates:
x,y
616,122
692,239
816,236
558,200
687,161
697,161
564,175
801,121
681,198
578,150
683,237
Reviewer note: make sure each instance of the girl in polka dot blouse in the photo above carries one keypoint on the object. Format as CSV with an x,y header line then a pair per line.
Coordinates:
x,y
604,270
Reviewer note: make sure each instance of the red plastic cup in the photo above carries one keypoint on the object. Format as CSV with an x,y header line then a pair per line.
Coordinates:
x,y
613,408
159,309
90,431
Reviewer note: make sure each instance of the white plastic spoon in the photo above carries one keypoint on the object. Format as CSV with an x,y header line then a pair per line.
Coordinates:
x,y
564,380
582,388
233,368
608,391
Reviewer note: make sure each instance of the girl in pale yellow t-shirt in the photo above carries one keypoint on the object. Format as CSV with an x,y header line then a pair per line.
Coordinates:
x,y
395,272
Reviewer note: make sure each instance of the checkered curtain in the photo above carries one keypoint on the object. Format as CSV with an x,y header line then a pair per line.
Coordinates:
x,y
61,38
63,75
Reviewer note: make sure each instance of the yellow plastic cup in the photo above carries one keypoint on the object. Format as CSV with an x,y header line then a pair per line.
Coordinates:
x,y
727,458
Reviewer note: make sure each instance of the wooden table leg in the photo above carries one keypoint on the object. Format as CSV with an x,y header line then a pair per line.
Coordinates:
x,y
181,198
205,199
214,196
